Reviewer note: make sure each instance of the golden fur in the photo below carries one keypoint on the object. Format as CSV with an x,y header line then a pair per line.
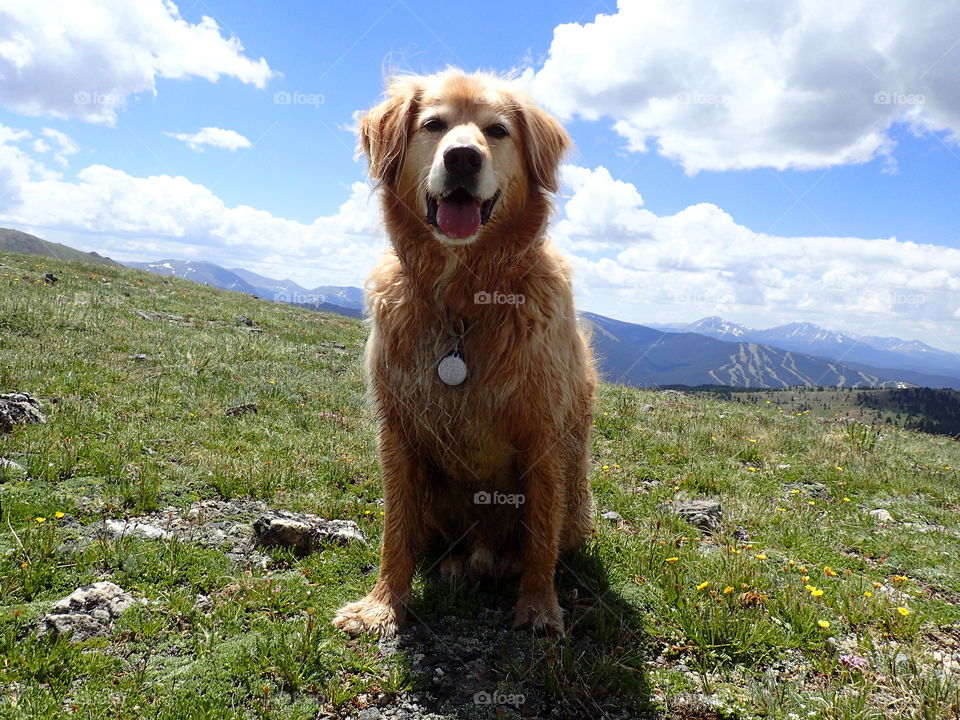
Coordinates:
x,y
520,423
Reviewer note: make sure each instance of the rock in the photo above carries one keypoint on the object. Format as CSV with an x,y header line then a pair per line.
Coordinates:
x,y
243,409
50,278
132,528
304,533
881,515
612,515
706,515
10,468
244,320
17,409
87,612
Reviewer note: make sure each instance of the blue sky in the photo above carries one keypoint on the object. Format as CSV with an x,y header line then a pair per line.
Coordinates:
x,y
708,143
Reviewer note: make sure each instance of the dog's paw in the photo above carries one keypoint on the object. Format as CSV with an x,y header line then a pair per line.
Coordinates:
x,y
481,563
370,615
540,613
451,568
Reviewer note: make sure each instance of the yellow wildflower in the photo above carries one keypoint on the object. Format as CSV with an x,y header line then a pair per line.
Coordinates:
x,y
903,611
41,519
672,560
705,584
728,589
823,623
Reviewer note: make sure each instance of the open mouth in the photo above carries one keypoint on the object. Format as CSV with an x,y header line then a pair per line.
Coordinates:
x,y
459,214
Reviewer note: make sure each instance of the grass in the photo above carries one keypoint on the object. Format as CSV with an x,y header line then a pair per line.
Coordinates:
x,y
136,372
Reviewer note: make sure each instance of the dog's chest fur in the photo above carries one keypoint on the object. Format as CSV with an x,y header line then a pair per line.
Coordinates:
x,y
464,426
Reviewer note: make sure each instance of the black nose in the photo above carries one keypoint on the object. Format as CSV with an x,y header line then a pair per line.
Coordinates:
x,y
462,160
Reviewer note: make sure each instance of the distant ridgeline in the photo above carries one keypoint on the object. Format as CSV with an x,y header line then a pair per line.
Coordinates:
x,y
932,411
929,410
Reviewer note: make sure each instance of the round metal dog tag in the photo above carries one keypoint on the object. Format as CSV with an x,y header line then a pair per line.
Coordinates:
x,y
452,369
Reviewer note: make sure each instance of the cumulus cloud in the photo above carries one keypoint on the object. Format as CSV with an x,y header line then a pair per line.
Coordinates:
x,y
84,59
732,85
630,262
17,166
214,137
64,146
637,265
162,215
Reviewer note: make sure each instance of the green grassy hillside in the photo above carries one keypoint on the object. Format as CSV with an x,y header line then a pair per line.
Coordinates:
x,y
802,605
932,410
15,241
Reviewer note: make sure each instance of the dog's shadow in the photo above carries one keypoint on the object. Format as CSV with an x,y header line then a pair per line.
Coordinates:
x,y
464,660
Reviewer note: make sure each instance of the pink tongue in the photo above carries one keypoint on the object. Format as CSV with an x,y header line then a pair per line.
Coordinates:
x,y
458,219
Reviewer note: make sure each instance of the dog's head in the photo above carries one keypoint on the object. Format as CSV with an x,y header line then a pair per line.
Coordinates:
x,y
461,151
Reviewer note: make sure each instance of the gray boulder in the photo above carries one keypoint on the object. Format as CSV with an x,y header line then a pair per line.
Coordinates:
x,y
705,515
19,408
881,515
134,528
304,533
87,612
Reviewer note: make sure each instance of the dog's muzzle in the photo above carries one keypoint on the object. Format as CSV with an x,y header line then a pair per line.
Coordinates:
x,y
459,214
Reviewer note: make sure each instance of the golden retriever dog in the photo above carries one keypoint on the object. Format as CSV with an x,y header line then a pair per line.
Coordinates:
x,y
481,380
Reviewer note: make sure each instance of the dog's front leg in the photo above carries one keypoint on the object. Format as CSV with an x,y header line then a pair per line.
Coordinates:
x,y
383,610
542,517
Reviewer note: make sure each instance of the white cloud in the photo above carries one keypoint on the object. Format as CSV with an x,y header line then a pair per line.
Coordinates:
x,y
159,216
84,58
642,267
730,85
214,137
65,145
17,167
630,262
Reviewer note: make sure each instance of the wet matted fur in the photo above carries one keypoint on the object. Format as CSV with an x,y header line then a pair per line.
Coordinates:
x,y
490,474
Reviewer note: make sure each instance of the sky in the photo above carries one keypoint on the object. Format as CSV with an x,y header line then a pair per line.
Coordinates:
x,y
765,162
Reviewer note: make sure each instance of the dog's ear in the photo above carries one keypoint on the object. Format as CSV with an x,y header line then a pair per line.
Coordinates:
x,y
385,128
545,143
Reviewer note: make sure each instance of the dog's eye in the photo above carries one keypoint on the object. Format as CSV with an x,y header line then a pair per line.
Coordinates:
x,y
497,131
434,125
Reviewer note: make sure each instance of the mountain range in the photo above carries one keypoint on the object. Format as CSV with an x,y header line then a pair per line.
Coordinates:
x,y
344,300
710,351
646,356
853,350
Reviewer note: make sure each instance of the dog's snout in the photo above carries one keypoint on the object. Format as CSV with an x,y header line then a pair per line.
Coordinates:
x,y
462,160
